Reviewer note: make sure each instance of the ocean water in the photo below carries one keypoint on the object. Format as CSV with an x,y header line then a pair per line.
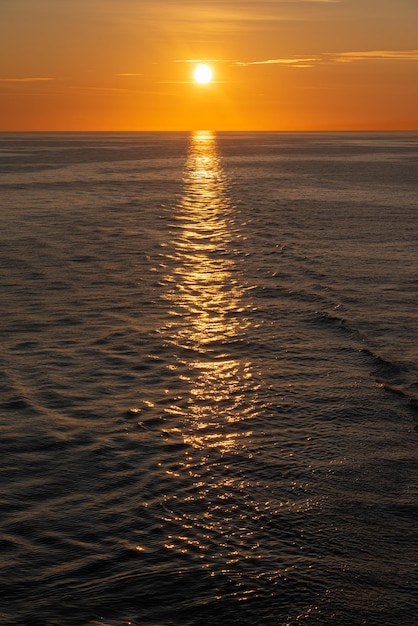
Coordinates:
x,y
209,379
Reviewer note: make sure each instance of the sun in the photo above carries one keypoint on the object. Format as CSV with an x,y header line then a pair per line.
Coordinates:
x,y
202,73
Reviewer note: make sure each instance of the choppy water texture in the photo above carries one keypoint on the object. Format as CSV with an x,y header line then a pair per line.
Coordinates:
x,y
209,379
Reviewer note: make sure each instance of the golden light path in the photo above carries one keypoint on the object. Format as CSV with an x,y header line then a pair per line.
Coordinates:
x,y
208,509
207,306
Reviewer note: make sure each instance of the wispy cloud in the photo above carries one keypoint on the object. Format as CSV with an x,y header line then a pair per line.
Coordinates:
x,y
291,61
327,58
25,80
382,55
205,61
218,3
214,16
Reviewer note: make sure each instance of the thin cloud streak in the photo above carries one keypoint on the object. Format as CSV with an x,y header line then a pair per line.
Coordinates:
x,y
24,80
380,55
205,61
340,57
215,3
295,62
187,17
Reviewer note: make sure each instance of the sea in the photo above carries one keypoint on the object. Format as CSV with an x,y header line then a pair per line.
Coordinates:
x,y
209,379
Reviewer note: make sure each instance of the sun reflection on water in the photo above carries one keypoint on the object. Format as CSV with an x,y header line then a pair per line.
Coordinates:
x,y
207,307
210,430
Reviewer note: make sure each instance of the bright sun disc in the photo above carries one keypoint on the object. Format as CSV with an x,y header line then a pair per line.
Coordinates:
x,y
203,74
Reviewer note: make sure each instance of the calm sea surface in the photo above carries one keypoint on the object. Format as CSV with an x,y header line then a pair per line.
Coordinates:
x,y
209,379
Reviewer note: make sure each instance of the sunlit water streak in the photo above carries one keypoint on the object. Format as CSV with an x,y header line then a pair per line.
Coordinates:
x,y
207,329
206,303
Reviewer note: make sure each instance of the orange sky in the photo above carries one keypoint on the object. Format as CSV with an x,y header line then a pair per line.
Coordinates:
x,y
285,65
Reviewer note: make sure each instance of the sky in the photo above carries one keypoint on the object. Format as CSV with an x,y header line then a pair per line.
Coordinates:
x,y
277,65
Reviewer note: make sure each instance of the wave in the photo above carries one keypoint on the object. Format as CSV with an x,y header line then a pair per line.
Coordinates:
x,y
335,322
389,374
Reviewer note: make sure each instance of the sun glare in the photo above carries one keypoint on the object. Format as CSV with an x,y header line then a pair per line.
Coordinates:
x,y
203,73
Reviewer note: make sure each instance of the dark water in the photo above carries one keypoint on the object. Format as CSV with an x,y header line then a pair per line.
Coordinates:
x,y
209,379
